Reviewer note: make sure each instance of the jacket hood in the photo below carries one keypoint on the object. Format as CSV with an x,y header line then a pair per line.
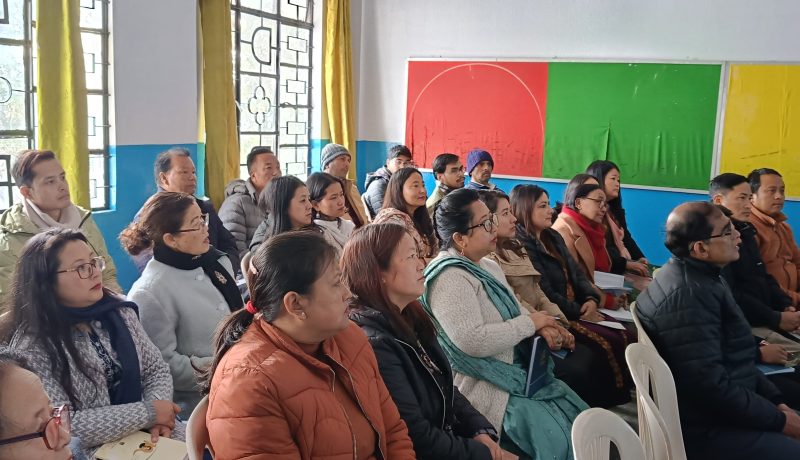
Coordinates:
x,y
375,322
382,174
240,187
14,220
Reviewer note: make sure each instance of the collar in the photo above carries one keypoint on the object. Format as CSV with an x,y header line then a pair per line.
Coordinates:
x,y
288,345
698,265
767,219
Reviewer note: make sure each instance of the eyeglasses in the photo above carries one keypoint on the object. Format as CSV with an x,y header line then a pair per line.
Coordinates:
x,y
51,432
196,229
487,224
86,270
600,202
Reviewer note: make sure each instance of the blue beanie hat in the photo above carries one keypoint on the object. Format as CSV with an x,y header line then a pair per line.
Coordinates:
x,y
475,156
330,152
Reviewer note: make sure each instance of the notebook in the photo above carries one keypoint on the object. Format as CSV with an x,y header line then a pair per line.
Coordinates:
x,y
772,369
137,446
537,368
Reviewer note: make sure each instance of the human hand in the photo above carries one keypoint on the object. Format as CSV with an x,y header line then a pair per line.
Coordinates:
x,y
792,426
773,354
509,456
789,309
542,320
552,336
637,268
165,413
622,302
589,312
159,430
494,448
790,321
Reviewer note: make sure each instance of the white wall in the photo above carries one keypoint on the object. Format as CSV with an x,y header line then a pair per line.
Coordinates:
x,y
392,31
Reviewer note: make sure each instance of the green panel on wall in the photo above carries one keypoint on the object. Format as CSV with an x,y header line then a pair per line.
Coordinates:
x,y
656,121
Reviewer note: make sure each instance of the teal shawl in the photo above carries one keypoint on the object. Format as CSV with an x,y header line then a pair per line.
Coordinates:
x,y
540,426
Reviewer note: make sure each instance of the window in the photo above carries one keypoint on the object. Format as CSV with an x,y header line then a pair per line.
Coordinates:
x,y
18,91
272,72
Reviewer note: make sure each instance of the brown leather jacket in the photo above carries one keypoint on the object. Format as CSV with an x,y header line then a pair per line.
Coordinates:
x,y
271,400
779,251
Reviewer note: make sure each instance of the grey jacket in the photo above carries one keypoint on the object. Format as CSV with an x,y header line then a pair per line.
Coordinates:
x,y
180,309
94,420
240,213
375,187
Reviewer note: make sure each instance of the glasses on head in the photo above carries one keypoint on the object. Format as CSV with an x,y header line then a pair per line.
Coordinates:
x,y
487,224
600,202
204,223
86,270
51,431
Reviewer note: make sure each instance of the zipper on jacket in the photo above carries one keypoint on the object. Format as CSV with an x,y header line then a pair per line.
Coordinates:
x,y
355,394
444,398
347,417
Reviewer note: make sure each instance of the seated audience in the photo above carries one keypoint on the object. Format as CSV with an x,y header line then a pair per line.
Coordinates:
x,y
480,165
449,173
620,238
30,428
240,213
86,344
487,336
382,268
174,172
186,289
565,284
775,239
292,376
404,205
45,204
728,409
335,160
399,157
327,198
287,206
586,369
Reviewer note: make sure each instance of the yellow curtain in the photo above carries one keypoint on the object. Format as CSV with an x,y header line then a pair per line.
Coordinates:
x,y
61,93
219,101
338,77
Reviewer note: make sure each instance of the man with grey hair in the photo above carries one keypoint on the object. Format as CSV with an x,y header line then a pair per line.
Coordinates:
x,y
335,160
728,408
174,171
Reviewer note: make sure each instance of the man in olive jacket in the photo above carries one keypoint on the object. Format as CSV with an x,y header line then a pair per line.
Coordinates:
x,y
45,204
728,409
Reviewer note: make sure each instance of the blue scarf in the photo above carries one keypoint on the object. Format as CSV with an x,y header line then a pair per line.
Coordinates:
x,y
106,310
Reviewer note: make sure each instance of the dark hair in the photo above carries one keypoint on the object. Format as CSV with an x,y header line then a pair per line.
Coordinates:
x,y
755,177
600,169
35,311
318,184
491,198
275,201
162,213
368,253
523,201
725,182
164,161
398,150
9,359
394,199
441,162
25,161
254,153
289,262
453,215
581,191
575,182
688,223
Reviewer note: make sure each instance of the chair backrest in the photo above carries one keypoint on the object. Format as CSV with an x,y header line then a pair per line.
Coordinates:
x,y
595,429
196,432
643,338
651,374
653,432
245,264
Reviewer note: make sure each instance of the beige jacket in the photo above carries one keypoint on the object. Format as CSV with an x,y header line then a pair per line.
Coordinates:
x,y
353,199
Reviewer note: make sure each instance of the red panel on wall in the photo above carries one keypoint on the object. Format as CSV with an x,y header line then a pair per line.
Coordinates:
x,y
455,106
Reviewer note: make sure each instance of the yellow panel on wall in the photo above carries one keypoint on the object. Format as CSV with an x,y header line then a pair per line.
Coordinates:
x,y
762,122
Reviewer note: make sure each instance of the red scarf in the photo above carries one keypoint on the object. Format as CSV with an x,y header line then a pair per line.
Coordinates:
x,y
596,235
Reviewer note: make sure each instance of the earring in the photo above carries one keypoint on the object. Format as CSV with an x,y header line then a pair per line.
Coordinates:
x,y
303,315
461,252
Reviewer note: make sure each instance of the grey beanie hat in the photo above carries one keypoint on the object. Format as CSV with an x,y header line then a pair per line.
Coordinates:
x,y
332,151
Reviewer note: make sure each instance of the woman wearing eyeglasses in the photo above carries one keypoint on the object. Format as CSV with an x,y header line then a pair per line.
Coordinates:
x,y
30,428
86,344
486,334
184,291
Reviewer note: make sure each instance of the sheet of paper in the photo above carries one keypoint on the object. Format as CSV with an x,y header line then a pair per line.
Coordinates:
x,y
605,280
619,315
609,324
772,369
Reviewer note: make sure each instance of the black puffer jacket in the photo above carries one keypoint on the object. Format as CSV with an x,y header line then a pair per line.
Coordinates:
x,y
554,279
758,294
441,422
689,312
375,187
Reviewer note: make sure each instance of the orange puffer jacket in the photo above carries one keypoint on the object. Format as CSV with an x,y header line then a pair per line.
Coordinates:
x,y
271,400
779,251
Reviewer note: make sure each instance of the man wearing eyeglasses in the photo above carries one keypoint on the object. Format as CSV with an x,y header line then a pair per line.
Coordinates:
x,y
728,408
399,157
175,172
45,204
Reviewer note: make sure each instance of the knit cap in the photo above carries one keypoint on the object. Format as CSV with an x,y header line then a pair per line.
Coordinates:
x,y
475,156
332,151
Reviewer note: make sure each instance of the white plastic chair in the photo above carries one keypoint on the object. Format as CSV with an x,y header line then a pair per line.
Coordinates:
x,y
643,338
595,429
197,433
658,413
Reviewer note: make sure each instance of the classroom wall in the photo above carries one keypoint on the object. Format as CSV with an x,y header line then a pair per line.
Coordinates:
x,y
391,32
